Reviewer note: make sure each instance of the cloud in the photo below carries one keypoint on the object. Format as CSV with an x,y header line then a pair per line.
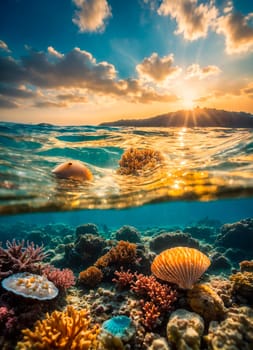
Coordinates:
x,y
248,90
62,80
158,68
53,52
195,71
91,15
7,104
16,92
237,31
4,46
193,20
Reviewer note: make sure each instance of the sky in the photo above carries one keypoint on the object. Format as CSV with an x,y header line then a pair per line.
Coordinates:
x,y
88,61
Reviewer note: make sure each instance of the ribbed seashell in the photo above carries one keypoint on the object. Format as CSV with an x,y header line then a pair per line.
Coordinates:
x,y
180,265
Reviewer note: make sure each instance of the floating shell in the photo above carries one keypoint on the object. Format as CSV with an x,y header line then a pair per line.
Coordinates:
x,y
180,265
74,170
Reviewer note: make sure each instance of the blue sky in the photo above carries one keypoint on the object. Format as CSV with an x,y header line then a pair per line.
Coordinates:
x,y
86,61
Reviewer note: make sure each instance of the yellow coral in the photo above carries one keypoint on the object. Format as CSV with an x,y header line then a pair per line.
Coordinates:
x,y
67,330
206,302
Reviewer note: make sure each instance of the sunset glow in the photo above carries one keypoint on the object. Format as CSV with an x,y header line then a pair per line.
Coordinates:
x,y
85,62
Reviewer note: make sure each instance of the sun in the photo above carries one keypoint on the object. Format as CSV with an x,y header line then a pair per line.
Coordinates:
x,y
188,103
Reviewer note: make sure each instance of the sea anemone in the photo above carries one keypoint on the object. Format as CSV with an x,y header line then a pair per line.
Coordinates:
x,y
180,265
73,170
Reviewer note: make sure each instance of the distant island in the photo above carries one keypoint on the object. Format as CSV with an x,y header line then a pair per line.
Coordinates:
x,y
199,117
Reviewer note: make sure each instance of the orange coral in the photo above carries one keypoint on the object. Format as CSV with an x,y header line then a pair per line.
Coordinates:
x,y
135,160
91,277
68,330
123,253
180,265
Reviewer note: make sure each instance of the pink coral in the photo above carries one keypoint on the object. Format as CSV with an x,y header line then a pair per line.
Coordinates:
x,y
8,319
63,279
19,257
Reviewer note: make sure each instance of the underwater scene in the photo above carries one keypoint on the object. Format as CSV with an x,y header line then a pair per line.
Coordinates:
x,y
126,238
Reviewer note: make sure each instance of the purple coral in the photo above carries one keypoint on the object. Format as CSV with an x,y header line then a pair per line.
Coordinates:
x,y
20,256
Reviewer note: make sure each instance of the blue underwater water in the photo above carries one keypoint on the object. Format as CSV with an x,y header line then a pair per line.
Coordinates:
x,y
201,193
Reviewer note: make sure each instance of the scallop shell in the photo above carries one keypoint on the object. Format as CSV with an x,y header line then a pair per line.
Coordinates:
x,y
180,265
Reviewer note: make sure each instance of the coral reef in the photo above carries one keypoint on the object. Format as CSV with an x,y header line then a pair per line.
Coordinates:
x,y
157,298
30,286
219,262
87,228
20,257
62,279
180,265
85,250
68,330
246,265
223,287
168,240
242,286
184,330
136,161
237,235
128,233
90,277
206,302
122,254
235,332
8,320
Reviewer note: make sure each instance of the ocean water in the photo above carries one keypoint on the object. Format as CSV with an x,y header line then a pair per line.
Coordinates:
x,y
204,181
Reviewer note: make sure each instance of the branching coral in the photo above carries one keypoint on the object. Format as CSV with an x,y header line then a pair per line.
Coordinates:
x,y
63,279
134,161
122,254
68,330
157,298
91,277
19,257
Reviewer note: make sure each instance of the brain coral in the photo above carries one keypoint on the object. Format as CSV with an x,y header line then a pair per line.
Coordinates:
x,y
30,286
235,332
180,265
68,330
185,329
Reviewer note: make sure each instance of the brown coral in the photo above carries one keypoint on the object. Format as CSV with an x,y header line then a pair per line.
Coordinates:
x,y
242,285
180,265
134,161
206,302
91,277
123,253
68,330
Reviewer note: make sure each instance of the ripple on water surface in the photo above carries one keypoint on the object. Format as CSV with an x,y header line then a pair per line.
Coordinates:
x,y
198,164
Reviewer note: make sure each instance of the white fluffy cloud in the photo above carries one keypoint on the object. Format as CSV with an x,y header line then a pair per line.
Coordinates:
x,y
195,71
91,15
158,68
193,19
